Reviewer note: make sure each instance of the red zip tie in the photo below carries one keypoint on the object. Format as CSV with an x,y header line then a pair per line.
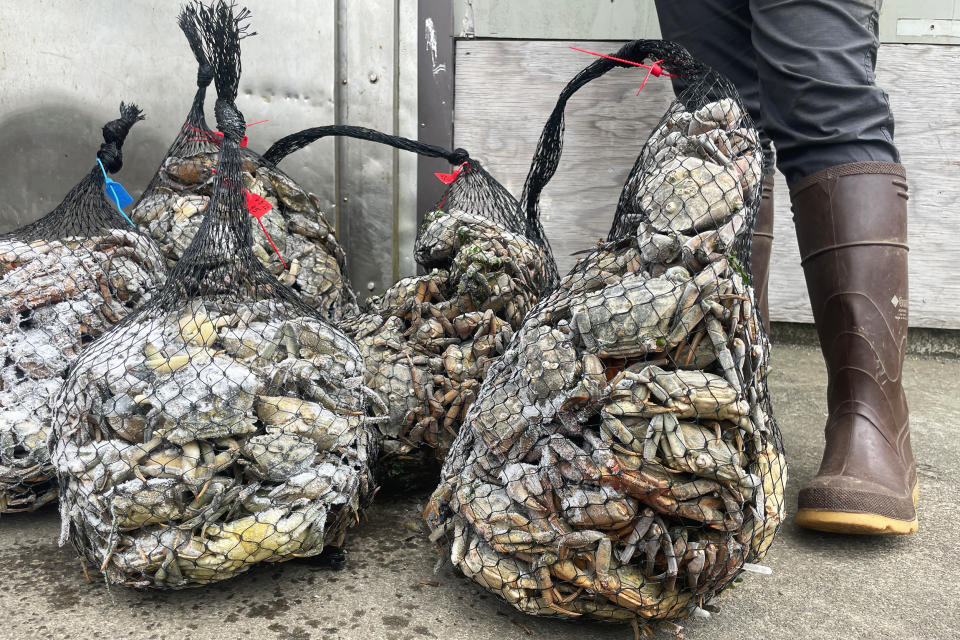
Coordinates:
x,y
653,70
219,135
447,178
270,240
243,140
258,207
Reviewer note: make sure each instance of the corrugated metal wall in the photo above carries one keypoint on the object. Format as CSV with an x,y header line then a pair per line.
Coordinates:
x,y
65,66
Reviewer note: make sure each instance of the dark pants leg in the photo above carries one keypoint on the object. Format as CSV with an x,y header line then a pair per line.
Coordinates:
x,y
805,69
718,33
818,97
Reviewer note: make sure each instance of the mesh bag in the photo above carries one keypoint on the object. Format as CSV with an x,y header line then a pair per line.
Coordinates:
x,y
64,280
301,249
621,460
430,339
224,423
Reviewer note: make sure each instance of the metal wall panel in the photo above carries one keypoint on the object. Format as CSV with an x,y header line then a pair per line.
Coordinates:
x,y
435,95
928,22
366,197
65,67
407,96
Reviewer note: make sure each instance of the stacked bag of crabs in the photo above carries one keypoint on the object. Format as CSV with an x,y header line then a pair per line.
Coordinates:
x,y
224,423
64,280
621,461
296,243
429,341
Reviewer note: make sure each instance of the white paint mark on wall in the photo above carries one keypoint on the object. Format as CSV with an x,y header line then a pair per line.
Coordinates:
x,y
430,42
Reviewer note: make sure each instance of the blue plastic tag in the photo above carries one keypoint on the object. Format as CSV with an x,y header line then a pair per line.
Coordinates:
x,y
117,193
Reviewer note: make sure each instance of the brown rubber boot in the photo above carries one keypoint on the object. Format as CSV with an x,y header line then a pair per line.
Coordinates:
x,y
851,225
761,248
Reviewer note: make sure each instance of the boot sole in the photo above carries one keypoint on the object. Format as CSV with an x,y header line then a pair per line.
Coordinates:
x,y
857,523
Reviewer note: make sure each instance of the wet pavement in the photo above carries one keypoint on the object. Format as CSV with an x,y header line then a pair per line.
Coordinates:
x,y
823,586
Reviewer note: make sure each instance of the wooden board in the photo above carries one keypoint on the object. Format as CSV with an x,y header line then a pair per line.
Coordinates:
x,y
506,89
613,20
927,22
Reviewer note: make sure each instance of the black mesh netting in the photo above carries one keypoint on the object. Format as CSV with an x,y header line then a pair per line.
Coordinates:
x,y
310,260
224,423
621,460
430,339
64,280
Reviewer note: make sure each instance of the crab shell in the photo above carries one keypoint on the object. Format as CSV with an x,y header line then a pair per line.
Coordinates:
x,y
689,194
631,317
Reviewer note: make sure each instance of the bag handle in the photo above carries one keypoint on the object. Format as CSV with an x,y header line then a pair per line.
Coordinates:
x,y
296,141
673,59
469,185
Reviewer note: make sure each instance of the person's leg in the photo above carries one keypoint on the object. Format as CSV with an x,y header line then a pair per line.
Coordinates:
x,y
851,224
718,32
815,60
834,135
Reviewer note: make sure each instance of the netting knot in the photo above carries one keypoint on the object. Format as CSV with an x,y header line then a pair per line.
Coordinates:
x,y
229,120
204,75
111,157
117,130
114,133
459,156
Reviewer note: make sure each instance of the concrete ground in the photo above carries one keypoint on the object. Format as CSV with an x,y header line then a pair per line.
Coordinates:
x,y
823,586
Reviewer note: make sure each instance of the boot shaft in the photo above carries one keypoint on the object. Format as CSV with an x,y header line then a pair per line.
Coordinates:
x,y
851,223
761,249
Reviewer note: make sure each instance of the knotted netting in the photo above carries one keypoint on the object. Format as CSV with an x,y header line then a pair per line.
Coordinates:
x,y
429,340
64,280
296,244
621,460
223,424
